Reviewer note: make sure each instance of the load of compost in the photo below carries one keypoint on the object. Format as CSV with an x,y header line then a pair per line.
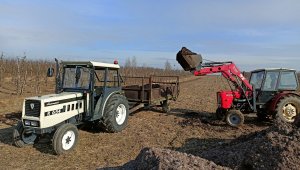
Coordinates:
x,y
276,147
155,158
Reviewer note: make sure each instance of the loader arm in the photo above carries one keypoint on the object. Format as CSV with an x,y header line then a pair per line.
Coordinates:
x,y
228,70
233,74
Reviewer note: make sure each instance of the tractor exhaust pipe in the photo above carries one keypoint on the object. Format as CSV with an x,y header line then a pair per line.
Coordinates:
x,y
189,60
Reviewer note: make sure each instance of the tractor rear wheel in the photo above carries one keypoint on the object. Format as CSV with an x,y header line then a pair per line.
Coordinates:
x,y
116,114
288,108
234,118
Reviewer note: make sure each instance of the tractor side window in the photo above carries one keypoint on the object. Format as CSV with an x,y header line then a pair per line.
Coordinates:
x,y
112,78
288,81
99,77
271,81
111,81
257,78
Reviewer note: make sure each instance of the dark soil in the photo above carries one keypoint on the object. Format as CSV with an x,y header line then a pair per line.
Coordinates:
x,y
274,148
154,158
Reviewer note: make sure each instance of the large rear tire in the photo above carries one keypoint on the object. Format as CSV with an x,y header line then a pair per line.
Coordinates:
x,y
20,138
234,118
116,114
65,138
288,108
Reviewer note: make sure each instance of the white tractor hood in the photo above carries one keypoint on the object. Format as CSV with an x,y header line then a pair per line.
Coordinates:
x,y
53,99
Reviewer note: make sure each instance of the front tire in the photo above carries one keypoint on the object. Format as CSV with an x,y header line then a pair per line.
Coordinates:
x,y
288,108
20,138
234,118
65,138
116,114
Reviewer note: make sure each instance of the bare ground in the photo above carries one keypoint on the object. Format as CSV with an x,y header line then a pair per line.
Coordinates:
x,y
189,128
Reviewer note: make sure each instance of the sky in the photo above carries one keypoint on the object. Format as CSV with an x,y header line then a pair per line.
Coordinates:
x,y
253,34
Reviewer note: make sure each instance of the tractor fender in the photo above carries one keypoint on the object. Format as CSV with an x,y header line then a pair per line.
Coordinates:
x,y
106,99
275,100
101,103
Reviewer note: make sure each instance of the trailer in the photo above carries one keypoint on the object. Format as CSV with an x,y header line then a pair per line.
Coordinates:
x,y
152,91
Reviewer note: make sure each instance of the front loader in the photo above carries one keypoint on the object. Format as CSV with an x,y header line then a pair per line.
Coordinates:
x,y
269,93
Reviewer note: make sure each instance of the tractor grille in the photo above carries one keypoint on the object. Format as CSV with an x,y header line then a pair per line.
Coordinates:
x,y
32,108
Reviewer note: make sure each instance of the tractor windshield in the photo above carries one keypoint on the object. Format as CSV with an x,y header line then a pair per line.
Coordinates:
x,y
271,81
257,79
76,77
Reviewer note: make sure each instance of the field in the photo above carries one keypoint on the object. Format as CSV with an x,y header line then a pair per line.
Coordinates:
x,y
190,127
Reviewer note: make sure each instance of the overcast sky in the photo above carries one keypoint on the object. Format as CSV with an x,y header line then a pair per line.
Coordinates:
x,y
253,34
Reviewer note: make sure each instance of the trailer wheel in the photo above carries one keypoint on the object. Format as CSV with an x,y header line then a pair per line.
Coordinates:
x,y
116,113
20,138
288,108
65,138
234,118
166,106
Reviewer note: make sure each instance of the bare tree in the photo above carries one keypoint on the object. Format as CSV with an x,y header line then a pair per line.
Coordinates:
x,y
20,75
133,62
168,66
37,79
128,63
1,69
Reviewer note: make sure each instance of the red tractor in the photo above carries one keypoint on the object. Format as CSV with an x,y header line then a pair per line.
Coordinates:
x,y
269,92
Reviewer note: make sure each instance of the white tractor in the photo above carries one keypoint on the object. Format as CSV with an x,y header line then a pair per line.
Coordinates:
x,y
86,92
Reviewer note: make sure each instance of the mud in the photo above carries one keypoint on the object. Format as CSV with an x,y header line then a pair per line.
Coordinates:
x,y
155,158
276,147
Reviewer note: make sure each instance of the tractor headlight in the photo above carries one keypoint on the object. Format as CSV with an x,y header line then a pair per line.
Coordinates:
x,y
31,123
27,123
34,123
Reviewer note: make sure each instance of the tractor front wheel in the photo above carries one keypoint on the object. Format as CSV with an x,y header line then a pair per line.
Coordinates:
x,y
65,138
234,118
288,108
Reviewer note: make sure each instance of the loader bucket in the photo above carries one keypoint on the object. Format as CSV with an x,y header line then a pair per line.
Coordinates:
x,y
188,60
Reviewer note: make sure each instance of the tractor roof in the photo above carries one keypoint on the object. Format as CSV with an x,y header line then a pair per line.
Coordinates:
x,y
91,63
273,69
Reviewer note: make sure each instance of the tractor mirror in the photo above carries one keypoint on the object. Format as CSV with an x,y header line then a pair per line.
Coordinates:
x,y
50,72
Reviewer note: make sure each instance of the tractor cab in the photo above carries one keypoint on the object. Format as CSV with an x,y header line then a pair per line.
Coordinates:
x,y
95,81
269,82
